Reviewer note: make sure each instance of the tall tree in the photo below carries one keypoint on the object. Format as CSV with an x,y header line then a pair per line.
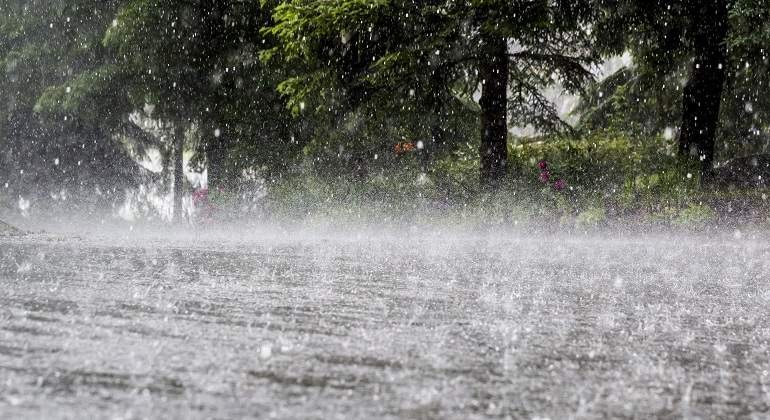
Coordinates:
x,y
746,116
197,62
707,43
493,71
160,49
702,95
193,67
354,49
69,156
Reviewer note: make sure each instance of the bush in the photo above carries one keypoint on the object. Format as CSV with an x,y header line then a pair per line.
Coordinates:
x,y
695,215
593,163
605,178
591,217
457,175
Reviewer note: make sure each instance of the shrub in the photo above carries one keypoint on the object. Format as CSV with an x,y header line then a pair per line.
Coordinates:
x,y
591,217
695,215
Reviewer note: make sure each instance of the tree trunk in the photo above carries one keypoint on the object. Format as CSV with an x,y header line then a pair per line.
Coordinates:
x,y
436,141
216,154
703,92
178,170
436,100
493,70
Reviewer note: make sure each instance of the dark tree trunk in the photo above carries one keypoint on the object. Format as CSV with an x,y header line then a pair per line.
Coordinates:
x,y
436,141
178,170
436,101
703,92
493,70
216,156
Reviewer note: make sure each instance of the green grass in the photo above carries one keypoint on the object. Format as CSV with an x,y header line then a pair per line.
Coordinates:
x,y
608,181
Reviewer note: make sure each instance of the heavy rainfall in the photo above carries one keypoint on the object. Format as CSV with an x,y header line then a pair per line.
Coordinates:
x,y
540,209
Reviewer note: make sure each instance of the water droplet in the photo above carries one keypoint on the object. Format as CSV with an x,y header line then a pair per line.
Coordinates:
x,y
265,351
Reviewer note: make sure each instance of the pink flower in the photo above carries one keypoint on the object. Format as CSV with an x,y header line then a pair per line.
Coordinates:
x,y
545,176
559,184
543,165
200,196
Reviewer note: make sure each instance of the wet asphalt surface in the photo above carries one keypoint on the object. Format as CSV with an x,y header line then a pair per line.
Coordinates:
x,y
401,327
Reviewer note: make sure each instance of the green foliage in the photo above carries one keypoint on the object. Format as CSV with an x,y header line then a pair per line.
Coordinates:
x,y
400,197
667,187
746,116
646,97
611,179
593,162
223,199
90,98
591,217
695,215
72,155
457,173
423,59
632,101
314,94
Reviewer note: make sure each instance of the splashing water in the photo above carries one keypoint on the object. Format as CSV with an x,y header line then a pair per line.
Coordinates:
x,y
362,324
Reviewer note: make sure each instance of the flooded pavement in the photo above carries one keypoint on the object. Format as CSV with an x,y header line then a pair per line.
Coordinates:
x,y
440,327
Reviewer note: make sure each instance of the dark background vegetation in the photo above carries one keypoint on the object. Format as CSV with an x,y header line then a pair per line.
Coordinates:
x,y
393,105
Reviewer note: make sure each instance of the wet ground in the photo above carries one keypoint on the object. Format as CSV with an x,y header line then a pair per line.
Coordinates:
x,y
404,327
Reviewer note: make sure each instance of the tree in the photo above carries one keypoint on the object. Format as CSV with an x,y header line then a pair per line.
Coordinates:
x,y
198,60
66,156
354,50
705,43
702,95
192,67
746,116
162,50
